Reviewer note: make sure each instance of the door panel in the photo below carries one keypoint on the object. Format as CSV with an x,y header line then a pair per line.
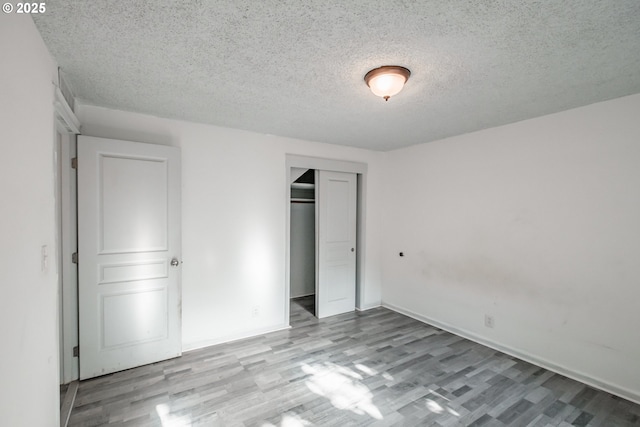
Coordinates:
x,y
134,220
134,317
336,204
128,232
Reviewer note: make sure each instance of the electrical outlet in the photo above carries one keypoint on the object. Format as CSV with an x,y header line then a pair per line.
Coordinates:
x,y
255,311
488,321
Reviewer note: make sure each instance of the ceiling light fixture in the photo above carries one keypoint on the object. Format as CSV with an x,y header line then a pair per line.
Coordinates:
x,y
387,81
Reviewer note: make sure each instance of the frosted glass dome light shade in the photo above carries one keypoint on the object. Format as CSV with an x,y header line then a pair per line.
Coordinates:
x,y
387,81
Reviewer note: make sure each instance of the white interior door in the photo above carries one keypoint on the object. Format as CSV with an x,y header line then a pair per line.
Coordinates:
x,y
336,204
128,235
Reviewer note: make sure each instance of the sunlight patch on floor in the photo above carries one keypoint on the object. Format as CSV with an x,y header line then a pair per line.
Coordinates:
x,y
169,420
290,420
209,419
367,370
343,387
443,406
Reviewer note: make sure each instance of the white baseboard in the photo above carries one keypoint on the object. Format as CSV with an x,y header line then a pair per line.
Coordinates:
x,y
186,347
66,406
526,356
369,307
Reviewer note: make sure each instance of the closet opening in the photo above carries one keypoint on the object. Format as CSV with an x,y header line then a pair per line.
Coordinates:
x,y
303,244
325,253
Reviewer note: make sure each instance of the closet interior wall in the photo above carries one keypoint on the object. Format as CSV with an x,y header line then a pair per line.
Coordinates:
x,y
302,234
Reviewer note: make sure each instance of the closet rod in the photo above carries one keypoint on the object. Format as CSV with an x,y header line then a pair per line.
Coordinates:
x,y
302,201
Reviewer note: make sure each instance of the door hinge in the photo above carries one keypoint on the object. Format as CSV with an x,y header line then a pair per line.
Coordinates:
x,y
74,257
74,163
76,351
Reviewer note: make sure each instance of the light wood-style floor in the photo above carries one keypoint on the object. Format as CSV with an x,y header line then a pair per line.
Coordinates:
x,y
372,368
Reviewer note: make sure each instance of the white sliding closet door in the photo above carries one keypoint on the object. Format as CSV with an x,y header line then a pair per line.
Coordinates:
x,y
336,205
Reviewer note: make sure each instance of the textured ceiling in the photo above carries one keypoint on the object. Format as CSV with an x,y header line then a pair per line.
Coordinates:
x,y
295,68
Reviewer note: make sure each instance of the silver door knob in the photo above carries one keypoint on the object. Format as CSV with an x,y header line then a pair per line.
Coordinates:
x,y
175,262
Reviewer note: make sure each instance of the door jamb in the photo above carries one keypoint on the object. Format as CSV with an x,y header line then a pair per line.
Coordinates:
x,y
319,163
69,273
67,126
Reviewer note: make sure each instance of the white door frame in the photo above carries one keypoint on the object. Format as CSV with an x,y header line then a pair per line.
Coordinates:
x,y
67,127
68,276
296,161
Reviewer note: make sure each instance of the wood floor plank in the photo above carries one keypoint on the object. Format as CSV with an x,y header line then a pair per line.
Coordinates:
x,y
373,368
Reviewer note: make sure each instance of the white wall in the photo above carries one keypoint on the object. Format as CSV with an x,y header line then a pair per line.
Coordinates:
x,y
29,367
303,249
234,201
536,223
